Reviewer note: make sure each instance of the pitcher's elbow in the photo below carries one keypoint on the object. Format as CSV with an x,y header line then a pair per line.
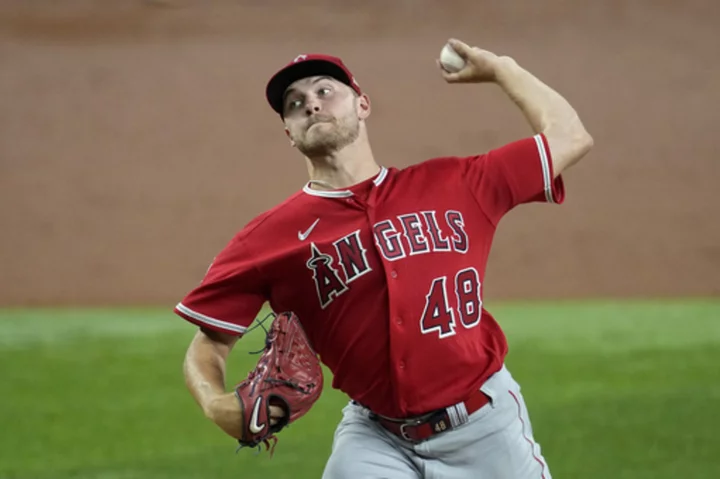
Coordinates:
x,y
583,141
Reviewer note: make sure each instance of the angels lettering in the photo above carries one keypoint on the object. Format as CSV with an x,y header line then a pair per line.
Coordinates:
x,y
396,238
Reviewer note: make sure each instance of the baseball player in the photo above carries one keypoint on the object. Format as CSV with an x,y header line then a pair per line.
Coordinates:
x,y
385,268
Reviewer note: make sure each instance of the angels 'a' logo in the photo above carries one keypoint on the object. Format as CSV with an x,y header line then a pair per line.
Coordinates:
x,y
300,58
327,280
332,281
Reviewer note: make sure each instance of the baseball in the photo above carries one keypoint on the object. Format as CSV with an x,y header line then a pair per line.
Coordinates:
x,y
450,60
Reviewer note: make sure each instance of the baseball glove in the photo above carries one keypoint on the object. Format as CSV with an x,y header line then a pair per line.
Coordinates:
x,y
288,375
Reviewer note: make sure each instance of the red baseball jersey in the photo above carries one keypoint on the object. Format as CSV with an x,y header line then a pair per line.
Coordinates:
x,y
386,276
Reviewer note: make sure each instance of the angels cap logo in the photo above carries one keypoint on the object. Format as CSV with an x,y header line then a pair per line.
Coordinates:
x,y
300,58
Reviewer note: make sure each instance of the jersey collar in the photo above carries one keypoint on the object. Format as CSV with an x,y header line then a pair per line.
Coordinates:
x,y
343,193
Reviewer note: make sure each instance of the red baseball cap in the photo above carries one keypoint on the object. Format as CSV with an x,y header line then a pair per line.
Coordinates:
x,y
304,66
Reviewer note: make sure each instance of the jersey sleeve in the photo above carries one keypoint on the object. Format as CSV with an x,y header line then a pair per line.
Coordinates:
x,y
230,295
516,173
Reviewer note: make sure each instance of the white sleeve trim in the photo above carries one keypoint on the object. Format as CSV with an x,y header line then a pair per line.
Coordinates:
x,y
546,171
210,321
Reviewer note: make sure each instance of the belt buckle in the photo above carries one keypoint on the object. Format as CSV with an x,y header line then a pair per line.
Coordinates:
x,y
412,422
404,433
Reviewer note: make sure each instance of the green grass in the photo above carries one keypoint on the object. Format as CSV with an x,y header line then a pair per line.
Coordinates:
x,y
615,390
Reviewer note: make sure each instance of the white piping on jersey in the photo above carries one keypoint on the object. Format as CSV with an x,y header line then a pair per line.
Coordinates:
x,y
327,194
344,193
381,176
545,163
210,321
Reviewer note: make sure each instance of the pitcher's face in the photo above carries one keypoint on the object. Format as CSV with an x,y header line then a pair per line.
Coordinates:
x,y
322,115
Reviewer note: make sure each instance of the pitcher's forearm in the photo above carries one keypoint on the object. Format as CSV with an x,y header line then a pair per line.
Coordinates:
x,y
204,370
543,107
547,112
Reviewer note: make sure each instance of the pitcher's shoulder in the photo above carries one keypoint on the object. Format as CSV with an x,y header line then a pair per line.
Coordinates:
x,y
437,165
275,217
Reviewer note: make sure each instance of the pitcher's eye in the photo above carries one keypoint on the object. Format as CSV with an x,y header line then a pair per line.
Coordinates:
x,y
293,104
324,91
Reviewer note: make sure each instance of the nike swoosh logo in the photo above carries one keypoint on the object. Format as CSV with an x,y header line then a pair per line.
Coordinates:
x,y
254,426
302,236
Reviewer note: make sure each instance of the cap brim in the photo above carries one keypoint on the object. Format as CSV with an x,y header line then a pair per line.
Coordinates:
x,y
280,82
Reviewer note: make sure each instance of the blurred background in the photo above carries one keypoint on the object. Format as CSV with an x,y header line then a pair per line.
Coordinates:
x,y
135,140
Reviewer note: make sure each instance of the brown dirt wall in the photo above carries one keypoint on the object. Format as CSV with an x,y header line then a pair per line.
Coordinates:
x,y
135,139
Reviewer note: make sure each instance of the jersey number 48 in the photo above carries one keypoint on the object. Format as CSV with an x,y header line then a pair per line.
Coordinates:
x,y
439,316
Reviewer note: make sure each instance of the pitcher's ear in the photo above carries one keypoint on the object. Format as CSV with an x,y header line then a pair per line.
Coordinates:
x,y
364,106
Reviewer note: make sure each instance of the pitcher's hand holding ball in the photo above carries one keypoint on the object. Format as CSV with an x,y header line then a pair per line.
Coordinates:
x,y
461,63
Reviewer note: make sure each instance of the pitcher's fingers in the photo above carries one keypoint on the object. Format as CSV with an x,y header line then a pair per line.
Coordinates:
x,y
447,76
276,411
461,48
